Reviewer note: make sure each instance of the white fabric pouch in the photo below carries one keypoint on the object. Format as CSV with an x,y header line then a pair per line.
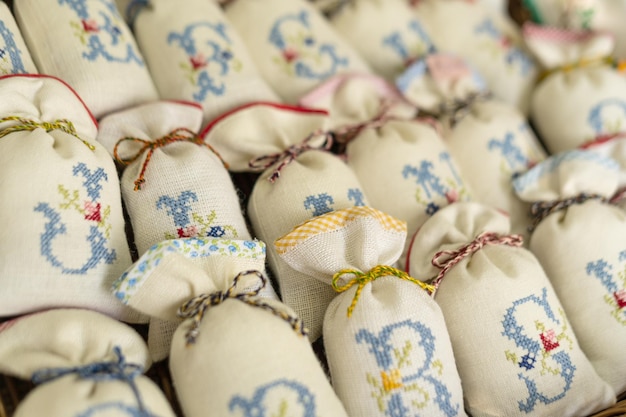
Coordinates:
x,y
14,56
292,44
385,33
515,348
194,54
489,139
385,338
580,96
400,159
83,363
63,236
489,41
234,353
87,44
580,239
174,185
300,180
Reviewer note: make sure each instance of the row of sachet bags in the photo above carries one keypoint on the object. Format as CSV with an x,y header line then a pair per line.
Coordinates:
x,y
197,200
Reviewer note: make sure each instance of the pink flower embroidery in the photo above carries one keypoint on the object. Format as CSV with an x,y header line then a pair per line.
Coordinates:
x,y
189,231
198,61
92,211
549,340
452,196
620,297
290,54
90,25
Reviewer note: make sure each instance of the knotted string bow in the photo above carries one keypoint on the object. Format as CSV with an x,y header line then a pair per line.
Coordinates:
x,y
178,135
447,259
284,158
456,109
116,370
195,308
539,210
361,279
24,124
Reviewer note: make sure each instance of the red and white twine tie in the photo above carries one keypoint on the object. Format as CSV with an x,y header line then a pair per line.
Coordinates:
x,y
447,259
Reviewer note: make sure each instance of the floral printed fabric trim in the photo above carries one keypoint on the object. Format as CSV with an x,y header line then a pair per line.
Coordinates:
x,y
336,220
301,55
542,351
130,282
101,32
522,182
407,380
614,281
280,398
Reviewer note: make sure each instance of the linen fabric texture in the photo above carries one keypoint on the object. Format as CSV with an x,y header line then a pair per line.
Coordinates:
x,y
583,250
396,153
313,183
195,54
581,97
292,44
489,139
83,362
63,239
392,350
256,358
515,349
94,51
16,58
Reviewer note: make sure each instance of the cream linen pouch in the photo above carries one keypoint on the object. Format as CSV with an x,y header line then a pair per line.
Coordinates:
x,y
400,159
195,54
87,44
580,239
385,338
489,41
63,235
385,33
515,349
489,139
174,185
84,364
300,180
14,56
580,96
234,353
292,44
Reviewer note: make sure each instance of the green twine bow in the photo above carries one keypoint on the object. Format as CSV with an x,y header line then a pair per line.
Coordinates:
x,y
363,278
29,125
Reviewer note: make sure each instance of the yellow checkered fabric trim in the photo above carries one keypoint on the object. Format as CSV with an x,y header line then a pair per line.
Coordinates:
x,y
333,221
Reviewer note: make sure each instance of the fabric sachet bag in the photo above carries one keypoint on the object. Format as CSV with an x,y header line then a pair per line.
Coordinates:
x,y
87,44
384,336
514,346
490,41
400,159
489,139
14,56
194,54
580,239
63,236
234,353
606,16
292,44
174,185
82,364
300,179
580,95
613,146
385,33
